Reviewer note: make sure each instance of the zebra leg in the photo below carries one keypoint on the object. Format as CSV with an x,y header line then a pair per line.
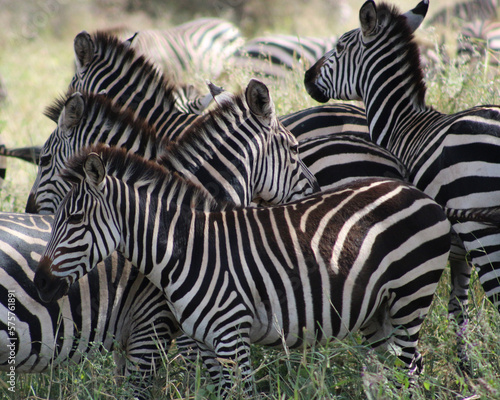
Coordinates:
x,y
460,271
230,358
189,350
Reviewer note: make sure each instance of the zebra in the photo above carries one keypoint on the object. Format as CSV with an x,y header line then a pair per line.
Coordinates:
x,y
114,306
449,157
480,39
456,14
275,55
238,151
197,47
255,274
104,64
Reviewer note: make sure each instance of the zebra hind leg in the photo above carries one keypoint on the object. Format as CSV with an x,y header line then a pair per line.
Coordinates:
x,y
229,364
460,272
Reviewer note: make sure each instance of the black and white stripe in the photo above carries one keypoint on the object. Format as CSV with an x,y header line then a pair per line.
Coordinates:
x,y
200,47
366,257
450,157
278,54
106,65
113,305
239,151
466,11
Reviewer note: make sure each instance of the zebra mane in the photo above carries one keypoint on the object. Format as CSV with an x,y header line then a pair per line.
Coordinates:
x,y
54,110
134,169
110,47
400,26
202,130
104,108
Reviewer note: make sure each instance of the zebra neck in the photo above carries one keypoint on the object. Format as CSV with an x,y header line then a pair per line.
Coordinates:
x,y
157,227
217,162
393,87
120,129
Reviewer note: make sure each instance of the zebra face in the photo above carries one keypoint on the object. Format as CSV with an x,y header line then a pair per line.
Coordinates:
x,y
49,189
333,76
74,248
284,176
344,72
288,180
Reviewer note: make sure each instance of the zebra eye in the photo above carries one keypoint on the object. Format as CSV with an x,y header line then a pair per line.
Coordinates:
x,y
45,160
294,149
340,48
75,218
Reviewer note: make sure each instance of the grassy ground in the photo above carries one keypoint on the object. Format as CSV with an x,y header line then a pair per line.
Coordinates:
x,y
38,69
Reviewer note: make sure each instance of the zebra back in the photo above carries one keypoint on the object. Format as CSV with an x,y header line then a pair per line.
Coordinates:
x,y
275,55
329,119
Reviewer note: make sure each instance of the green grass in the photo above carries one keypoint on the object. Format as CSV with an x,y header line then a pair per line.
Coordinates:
x,y
36,71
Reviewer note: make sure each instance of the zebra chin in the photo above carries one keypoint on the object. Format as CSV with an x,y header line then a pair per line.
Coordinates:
x,y
49,287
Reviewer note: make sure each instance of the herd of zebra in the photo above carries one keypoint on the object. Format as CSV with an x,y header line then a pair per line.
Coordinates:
x,y
153,218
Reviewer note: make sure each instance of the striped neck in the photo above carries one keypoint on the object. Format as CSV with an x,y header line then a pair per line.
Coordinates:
x,y
220,152
392,83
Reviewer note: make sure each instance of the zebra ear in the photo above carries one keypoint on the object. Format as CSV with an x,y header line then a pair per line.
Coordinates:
x,y
416,16
94,169
368,18
130,40
84,50
258,99
72,112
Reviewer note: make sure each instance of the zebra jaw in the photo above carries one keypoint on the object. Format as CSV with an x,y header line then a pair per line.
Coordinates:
x,y
310,82
49,287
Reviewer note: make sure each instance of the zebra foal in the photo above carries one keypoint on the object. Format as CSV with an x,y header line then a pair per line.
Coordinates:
x,y
114,306
235,276
450,157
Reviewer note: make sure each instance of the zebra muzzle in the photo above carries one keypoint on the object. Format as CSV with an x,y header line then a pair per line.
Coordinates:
x,y
49,287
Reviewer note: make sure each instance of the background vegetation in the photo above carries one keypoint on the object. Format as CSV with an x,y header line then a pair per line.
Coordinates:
x,y
36,56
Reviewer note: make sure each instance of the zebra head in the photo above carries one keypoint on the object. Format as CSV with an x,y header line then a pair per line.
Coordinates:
x,y
344,72
72,251
82,120
284,176
48,190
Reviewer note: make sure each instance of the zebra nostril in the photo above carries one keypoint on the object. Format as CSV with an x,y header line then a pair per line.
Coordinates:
x,y
40,282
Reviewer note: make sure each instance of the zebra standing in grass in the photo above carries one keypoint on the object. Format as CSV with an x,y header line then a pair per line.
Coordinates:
x,y
239,152
198,47
276,55
92,118
365,257
114,307
450,157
